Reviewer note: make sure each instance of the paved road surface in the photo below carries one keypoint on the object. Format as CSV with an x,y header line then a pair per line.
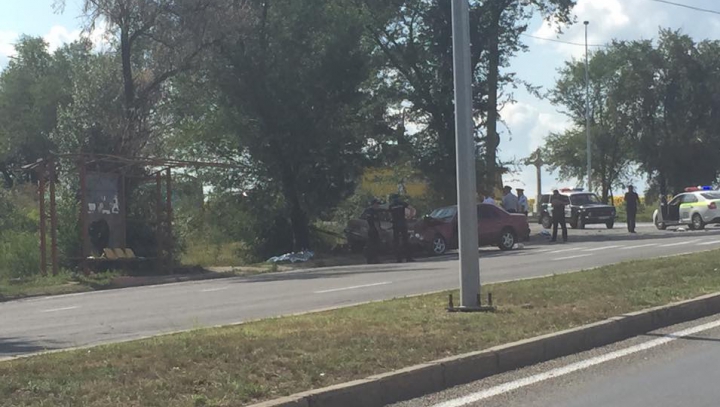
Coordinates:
x,y
677,366
33,325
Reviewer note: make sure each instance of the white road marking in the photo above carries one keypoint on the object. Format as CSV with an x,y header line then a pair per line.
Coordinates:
x,y
639,246
709,243
59,309
680,243
562,251
210,290
574,367
596,249
353,287
572,257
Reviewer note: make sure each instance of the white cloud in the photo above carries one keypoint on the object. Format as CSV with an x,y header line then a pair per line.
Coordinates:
x,y
59,36
7,46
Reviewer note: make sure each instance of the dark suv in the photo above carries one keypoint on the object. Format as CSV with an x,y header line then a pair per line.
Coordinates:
x,y
581,208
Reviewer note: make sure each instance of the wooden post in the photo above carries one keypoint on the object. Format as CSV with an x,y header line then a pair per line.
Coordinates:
x,y
169,217
83,216
53,221
159,218
41,196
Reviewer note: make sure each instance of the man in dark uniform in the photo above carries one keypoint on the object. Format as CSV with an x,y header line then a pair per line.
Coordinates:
x,y
372,247
631,205
558,214
400,229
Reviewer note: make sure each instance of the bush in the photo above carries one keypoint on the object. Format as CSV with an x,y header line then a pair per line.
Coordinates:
x,y
19,255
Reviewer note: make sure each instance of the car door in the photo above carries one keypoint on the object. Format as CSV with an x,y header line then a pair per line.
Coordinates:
x,y
673,209
686,207
488,224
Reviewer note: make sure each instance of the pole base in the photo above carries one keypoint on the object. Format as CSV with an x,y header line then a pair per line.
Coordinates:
x,y
481,308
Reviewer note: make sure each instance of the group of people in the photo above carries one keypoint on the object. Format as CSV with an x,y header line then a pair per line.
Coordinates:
x,y
558,202
510,202
399,212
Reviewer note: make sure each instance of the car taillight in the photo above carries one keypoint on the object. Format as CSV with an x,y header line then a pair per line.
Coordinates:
x,y
712,205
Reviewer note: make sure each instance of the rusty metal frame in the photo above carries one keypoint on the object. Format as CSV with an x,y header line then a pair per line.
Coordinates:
x,y
47,178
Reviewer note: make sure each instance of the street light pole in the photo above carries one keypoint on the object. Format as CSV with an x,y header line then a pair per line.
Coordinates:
x,y
587,111
465,153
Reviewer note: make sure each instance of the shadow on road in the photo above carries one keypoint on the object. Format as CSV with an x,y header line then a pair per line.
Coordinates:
x,y
333,272
590,235
17,346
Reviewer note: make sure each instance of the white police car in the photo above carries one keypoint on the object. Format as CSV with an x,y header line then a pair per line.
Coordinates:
x,y
695,208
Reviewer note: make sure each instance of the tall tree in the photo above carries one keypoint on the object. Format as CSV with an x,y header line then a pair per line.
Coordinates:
x,y
611,129
34,86
286,99
415,39
670,92
156,40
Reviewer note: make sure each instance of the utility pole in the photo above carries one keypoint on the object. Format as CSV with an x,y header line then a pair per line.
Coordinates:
x,y
587,111
465,152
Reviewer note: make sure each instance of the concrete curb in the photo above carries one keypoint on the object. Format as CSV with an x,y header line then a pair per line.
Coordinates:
x,y
427,378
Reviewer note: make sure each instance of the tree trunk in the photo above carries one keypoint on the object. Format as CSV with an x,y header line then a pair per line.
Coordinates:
x,y
298,218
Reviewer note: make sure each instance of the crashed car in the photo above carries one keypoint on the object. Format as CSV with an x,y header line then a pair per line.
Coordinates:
x,y
437,232
356,233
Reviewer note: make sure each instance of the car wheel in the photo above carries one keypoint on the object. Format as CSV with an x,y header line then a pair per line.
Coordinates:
x,y
610,225
573,223
439,245
697,222
507,239
660,225
546,221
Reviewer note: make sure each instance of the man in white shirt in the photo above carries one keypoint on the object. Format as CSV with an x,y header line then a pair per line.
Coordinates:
x,y
487,199
522,201
509,201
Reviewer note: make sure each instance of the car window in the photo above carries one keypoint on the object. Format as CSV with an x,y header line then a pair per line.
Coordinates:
x,y
584,199
545,199
689,198
711,195
487,212
677,200
444,213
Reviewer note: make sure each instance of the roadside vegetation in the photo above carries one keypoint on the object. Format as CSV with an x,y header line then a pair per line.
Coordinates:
x,y
261,360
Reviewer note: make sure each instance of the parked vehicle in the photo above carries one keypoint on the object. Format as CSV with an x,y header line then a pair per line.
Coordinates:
x,y
437,232
695,208
581,208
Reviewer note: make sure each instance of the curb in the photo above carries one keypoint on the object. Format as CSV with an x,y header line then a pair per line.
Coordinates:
x,y
420,380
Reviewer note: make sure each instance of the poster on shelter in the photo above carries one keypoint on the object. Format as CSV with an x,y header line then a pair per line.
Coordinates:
x,y
102,193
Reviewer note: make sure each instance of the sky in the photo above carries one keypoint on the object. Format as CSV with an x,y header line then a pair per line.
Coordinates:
x,y
528,121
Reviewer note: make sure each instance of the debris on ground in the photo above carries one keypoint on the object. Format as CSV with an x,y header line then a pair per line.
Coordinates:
x,y
299,257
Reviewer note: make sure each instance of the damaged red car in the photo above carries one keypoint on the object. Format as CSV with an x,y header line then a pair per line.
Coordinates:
x,y
438,232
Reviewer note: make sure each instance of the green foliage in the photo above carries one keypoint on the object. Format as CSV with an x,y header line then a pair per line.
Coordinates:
x,y
19,216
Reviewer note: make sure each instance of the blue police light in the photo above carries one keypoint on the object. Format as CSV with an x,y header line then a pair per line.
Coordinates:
x,y
706,188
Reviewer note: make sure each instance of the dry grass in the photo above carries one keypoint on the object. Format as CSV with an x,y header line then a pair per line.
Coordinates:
x,y
261,360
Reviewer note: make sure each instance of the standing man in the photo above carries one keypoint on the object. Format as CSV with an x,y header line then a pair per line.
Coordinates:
x,y
398,210
522,201
509,201
558,215
489,199
632,200
372,247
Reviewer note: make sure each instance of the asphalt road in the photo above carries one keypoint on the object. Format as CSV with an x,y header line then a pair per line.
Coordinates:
x,y
47,323
676,366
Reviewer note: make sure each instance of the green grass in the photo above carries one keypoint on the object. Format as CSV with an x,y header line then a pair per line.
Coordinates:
x,y
65,282
204,254
262,360
644,213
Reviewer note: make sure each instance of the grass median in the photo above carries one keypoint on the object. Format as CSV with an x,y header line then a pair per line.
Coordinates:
x,y
271,358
